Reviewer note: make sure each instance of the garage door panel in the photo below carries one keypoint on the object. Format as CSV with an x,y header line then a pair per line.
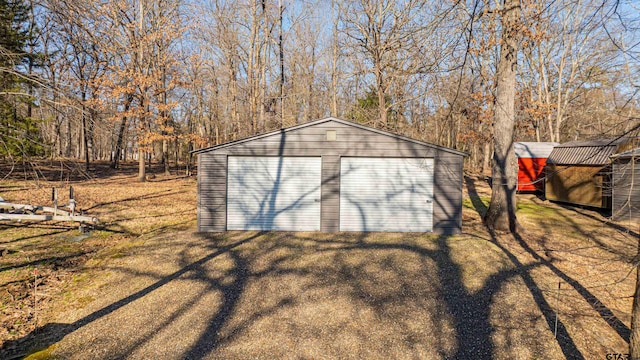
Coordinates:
x,y
273,193
386,194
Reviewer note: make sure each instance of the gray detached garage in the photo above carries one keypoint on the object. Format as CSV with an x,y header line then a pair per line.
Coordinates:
x,y
330,175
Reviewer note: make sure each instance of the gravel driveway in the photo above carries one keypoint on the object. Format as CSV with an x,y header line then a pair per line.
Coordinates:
x,y
303,295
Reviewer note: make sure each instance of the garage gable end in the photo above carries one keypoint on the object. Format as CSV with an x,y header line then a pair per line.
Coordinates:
x,y
328,136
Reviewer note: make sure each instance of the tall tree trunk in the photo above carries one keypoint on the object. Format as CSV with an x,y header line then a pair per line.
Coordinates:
x,y
165,156
91,146
85,140
334,63
85,132
141,164
58,137
165,122
235,107
382,103
634,342
281,51
123,126
254,52
264,62
501,214
142,174
486,157
67,145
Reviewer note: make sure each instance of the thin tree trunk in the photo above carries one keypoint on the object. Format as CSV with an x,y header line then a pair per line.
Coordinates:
x,y
85,132
85,139
142,175
251,69
281,51
123,126
486,157
634,342
91,146
501,214
382,104
57,141
67,148
262,100
334,64
235,112
165,122
141,153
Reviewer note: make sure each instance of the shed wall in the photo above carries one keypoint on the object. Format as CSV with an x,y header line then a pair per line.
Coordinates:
x,y
212,192
580,185
626,190
311,141
531,173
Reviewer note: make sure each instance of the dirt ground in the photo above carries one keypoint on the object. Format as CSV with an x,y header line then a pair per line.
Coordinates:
x,y
145,285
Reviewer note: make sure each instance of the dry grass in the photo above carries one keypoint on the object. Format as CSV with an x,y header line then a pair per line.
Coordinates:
x,y
147,286
48,253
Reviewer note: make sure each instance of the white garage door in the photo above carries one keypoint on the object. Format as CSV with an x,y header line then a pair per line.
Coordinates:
x,y
386,194
273,193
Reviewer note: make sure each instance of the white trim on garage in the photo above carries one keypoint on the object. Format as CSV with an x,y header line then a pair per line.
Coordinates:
x,y
273,193
386,194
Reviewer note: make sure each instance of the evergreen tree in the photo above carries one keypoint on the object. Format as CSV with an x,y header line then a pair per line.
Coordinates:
x,y
19,135
367,108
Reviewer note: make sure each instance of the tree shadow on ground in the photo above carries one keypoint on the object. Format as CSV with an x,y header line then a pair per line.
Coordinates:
x,y
601,217
148,196
603,311
476,201
467,312
52,333
61,230
377,282
564,340
624,250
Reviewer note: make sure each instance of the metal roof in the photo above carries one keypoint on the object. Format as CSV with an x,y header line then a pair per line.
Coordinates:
x,y
533,149
316,122
591,152
627,154
595,143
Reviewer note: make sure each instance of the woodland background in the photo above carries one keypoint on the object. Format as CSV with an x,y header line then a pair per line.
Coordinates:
x,y
155,79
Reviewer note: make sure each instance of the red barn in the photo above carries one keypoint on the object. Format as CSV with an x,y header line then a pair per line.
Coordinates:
x,y
532,158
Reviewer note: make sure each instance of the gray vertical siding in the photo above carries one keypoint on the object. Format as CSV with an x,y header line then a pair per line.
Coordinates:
x,y
311,141
626,190
447,190
212,192
330,211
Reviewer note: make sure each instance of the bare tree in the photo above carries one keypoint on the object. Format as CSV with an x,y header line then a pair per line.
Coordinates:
x,y
501,214
566,59
397,40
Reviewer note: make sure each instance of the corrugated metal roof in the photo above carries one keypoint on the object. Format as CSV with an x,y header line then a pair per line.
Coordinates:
x,y
627,154
591,152
533,149
595,143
